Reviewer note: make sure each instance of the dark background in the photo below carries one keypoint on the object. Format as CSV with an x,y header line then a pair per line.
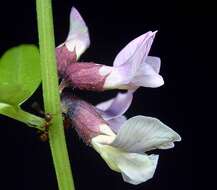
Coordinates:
x,y
26,163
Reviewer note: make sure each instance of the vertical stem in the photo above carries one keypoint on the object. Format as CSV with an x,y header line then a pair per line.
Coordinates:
x,y
51,95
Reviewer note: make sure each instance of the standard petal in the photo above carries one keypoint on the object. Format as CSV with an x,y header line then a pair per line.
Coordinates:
x,y
141,134
78,38
127,65
136,51
116,106
135,168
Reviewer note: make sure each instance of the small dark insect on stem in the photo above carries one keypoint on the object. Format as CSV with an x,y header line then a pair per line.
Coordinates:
x,y
44,135
48,117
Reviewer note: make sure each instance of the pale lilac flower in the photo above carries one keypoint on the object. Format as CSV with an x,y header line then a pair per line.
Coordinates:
x,y
122,143
123,149
131,68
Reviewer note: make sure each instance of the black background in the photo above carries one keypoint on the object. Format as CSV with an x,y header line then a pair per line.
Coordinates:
x,y
26,162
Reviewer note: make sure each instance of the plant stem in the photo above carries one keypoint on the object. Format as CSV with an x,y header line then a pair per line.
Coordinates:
x,y
51,95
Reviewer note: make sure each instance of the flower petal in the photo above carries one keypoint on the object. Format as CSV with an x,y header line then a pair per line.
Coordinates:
x,y
116,123
136,51
135,168
147,77
119,77
132,68
116,106
154,62
138,168
78,37
105,105
141,134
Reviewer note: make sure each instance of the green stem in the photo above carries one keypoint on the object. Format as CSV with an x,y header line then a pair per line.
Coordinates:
x,y
51,95
22,116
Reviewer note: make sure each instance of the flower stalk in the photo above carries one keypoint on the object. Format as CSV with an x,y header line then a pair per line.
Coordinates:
x,y
51,94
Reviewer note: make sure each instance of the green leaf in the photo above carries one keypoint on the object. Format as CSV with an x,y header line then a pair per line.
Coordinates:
x,y
20,74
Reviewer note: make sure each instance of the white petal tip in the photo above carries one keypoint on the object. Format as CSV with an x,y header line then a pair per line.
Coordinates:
x,y
155,32
78,38
144,172
158,82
